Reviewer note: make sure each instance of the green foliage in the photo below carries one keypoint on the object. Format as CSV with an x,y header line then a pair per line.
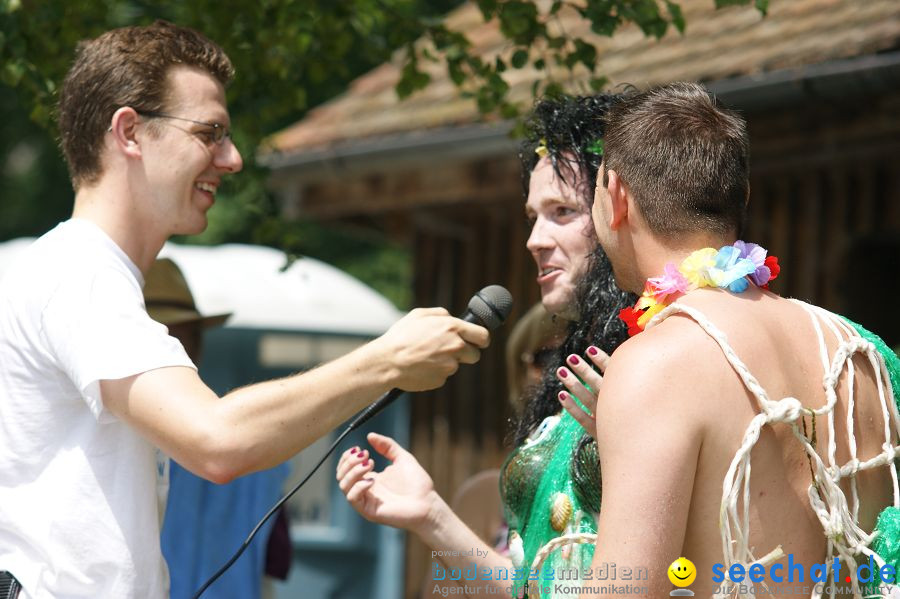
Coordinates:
x,y
761,5
413,78
34,186
676,15
524,24
288,55
519,22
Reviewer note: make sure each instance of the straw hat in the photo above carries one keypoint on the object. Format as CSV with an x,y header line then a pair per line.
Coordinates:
x,y
169,300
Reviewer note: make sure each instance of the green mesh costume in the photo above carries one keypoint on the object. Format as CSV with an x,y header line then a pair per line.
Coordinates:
x,y
887,545
557,466
560,460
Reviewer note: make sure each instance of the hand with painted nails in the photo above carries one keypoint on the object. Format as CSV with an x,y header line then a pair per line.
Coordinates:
x,y
582,382
401,495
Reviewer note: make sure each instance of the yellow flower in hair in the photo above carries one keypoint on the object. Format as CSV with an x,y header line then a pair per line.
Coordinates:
x,y
541,150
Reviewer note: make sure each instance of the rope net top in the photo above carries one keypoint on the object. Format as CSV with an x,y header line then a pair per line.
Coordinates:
x,y
839,517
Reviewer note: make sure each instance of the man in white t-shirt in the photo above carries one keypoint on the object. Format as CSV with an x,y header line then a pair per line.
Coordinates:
x,y
91,386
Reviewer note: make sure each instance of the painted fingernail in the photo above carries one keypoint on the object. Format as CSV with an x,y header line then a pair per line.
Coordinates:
x,y
354,450
573,360
593,351
562,396
563,372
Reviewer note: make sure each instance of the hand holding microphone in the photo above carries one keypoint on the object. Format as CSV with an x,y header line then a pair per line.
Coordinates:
x,y
426,346
432,344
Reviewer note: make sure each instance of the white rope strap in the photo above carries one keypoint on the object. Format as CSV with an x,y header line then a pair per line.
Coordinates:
x,y
576,538
844,536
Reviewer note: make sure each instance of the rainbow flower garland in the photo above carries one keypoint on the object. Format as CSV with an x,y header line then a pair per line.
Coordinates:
x,y
732,267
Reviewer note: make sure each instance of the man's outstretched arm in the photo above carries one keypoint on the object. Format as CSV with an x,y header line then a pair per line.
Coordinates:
x,y
262,425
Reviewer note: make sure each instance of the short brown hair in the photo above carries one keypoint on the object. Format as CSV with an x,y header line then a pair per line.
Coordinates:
x,y
684,158
125,67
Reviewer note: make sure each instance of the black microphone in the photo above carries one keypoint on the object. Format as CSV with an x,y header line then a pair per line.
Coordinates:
x,y
488,308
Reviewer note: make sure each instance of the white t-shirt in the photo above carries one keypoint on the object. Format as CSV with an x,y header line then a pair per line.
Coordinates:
x,y
79,489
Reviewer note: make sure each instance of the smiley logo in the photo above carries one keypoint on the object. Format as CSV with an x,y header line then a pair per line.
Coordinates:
x,y
682,572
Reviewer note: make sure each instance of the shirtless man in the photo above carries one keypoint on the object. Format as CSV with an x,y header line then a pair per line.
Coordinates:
x,y
672,412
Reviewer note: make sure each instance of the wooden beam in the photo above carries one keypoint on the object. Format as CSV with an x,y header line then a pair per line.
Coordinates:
x,y
494,180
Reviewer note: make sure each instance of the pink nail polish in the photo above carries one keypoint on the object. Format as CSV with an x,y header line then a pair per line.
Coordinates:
x,y
563,372
562,396
354,450
573,360
593,351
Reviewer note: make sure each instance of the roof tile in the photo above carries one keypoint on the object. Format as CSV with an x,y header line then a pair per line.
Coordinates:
x,y
717,44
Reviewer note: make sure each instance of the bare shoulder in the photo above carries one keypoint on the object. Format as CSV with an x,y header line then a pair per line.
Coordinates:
x,y
664,372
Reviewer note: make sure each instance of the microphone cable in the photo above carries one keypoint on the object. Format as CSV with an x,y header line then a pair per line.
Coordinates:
x,y
489,308
274,509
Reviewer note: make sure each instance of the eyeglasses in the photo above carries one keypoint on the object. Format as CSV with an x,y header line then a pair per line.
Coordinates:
x,y
216,134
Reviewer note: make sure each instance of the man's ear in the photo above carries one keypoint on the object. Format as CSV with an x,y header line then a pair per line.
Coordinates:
x,y
618,198
123,128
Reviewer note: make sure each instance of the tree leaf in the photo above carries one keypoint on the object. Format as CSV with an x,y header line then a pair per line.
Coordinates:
x,y
676,14
586,53
519,21
598,83
487,8
519,58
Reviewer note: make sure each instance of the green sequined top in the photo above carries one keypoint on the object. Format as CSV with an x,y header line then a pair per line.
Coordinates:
x,y
887,544
550,486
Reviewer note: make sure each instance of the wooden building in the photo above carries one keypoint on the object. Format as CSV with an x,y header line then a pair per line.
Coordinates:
x,y
818,81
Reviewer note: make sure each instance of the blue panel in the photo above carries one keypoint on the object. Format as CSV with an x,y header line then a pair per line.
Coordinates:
x,y
351,557
206,523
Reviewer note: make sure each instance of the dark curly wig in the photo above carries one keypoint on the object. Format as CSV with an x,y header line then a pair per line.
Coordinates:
x,y
571,128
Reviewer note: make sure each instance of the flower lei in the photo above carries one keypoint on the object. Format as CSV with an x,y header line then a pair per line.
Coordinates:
x,y
732,267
